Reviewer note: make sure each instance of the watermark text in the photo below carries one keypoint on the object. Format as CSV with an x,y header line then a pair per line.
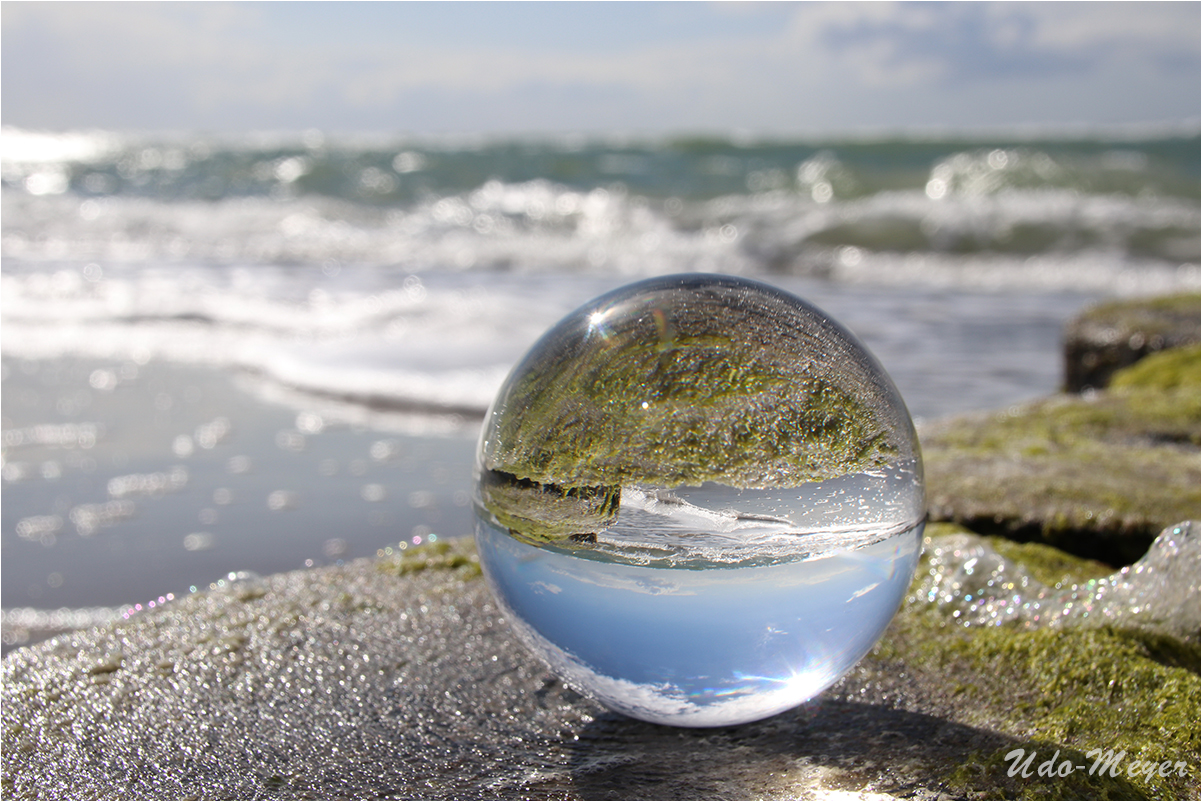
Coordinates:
x,y
1106,761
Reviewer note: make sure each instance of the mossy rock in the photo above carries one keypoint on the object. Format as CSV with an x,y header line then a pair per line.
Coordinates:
x,y
398,678
1111,336
1047,564
454,555
1096,475
1172,371
538,513
1069,689
686,380
999,775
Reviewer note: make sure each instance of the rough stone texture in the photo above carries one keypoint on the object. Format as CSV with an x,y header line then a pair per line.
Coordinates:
x,y
990,582
354,682
401,680
1111,336
1097,475
378,680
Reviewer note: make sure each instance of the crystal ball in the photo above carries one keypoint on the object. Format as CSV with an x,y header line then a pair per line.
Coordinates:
x,y
699,500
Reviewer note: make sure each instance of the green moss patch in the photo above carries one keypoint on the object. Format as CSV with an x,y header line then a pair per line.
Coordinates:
x,y
1050,565
1070,689
1133,415
1067,689
458,555
1000,775
1046,564
546,513
1174,370
1109,337
1098,476
1100,501
1112,336
719,385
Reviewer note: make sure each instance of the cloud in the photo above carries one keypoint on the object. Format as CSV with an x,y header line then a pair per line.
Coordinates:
x,y
728,701
591,66
907,43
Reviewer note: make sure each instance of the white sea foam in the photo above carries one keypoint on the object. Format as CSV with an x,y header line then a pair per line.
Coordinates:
x,y
533,227
541,227
408,348
386,345
397,277
1100,272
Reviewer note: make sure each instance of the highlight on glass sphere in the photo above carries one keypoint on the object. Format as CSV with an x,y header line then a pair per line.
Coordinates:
x,y
699,500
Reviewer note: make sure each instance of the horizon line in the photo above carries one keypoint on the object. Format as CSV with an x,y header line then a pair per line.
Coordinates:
x,y
740,137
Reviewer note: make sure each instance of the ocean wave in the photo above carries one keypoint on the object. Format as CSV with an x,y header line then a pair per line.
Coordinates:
x,y
410,352
391,170
405,277
542,227
352,340
586,205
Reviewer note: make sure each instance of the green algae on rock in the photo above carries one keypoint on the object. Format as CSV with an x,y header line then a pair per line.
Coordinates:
x,y
437,555
1096,475
1064,682
1071,689
1173,370
374,680
973,584
1113,335
1047,564
689,379
1000,774
535,512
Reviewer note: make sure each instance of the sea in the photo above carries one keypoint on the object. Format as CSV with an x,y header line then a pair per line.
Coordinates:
x,y
231,355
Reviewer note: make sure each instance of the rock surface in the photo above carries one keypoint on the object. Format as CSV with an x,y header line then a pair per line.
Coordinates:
x,y
378,680
1097,475
399,678
1111,336
983,583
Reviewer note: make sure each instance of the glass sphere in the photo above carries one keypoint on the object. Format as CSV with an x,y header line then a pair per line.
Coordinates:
x,y
699,499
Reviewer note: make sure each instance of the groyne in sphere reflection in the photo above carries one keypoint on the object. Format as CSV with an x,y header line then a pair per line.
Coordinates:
x,y
699,500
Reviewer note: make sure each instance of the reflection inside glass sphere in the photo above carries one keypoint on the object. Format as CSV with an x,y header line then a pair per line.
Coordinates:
x,y
699,500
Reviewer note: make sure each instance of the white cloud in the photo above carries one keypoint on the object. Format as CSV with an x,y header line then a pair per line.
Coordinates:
x,y
739,701
240,66
1165,26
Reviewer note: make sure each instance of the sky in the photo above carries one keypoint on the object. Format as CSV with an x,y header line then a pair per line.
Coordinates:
x,y
767,68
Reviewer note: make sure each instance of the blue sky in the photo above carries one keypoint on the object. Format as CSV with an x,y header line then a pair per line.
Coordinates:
x,y
773,68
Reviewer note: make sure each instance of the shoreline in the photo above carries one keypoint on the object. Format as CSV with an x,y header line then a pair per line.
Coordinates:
x,y
399,676
327,483
188,461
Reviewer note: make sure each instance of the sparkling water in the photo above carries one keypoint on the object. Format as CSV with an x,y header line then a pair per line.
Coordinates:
x,y
699,500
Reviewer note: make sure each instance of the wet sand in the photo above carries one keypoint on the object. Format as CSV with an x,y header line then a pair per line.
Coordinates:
x,y
123,483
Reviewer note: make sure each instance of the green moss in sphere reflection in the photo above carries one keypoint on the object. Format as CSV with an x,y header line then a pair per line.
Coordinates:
x,y
699,499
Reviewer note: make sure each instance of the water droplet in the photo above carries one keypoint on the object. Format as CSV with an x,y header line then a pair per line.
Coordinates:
x,y
699,500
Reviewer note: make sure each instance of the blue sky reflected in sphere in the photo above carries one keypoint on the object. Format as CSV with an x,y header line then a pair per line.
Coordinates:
x,y
699,648
699,499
